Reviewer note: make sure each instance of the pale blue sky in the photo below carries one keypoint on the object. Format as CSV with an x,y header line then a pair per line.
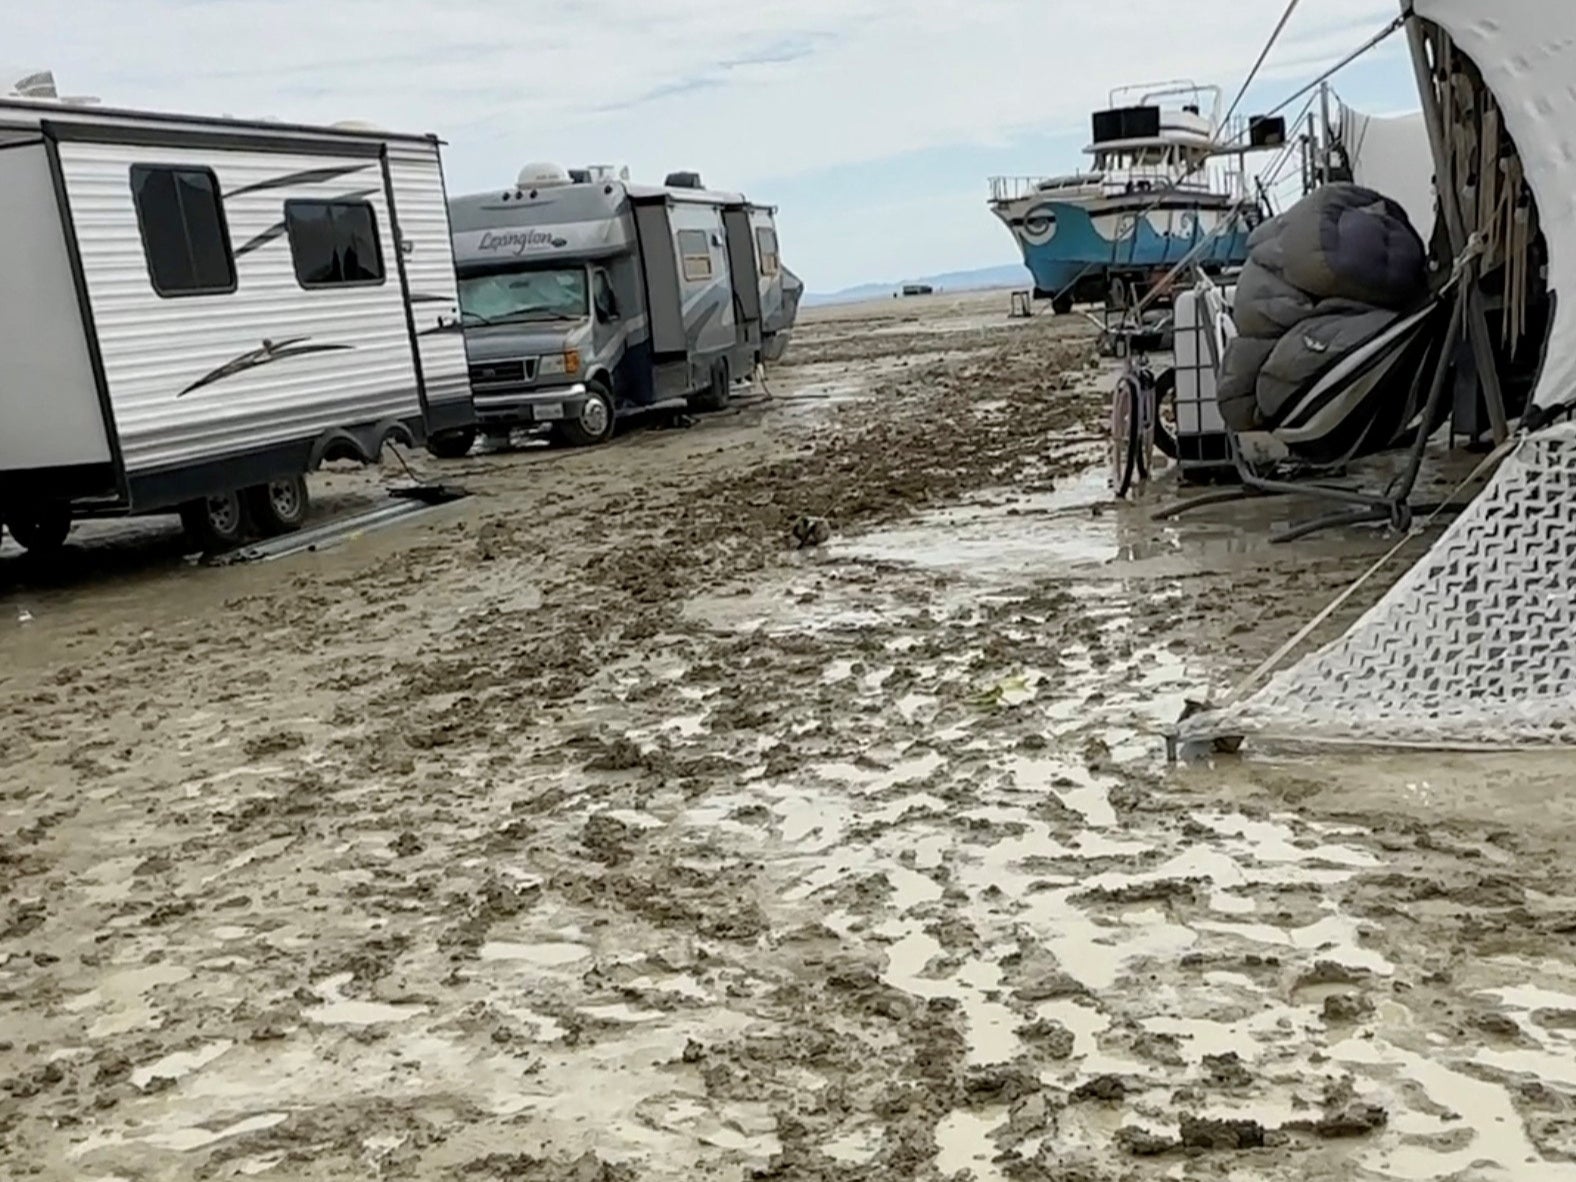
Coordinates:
x,y
872,124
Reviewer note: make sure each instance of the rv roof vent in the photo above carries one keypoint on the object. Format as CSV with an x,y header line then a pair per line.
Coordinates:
x,y
358,125
543,176
38,85
683,180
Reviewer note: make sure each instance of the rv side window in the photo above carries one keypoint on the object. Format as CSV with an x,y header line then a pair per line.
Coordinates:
x,y
184,236
766,248
334,243
695,251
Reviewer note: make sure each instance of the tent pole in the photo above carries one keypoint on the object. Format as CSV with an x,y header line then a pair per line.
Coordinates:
x,y
1324,116
1455,225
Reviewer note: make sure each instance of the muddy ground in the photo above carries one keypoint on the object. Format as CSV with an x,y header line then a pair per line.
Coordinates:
x,y
587,830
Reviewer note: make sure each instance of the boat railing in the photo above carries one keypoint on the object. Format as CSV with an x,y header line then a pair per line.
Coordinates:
x,y
1012,188
1144,177
1151,94
1116,182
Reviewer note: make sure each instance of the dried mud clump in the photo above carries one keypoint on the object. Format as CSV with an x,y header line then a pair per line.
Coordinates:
x,y
1106,1089
519,1167
1049,1037
1221,1135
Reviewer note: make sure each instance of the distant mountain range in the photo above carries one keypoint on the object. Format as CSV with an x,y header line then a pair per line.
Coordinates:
x,y
1010,275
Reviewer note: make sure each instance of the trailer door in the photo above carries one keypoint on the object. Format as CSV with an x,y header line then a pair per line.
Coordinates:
x,y
744,274
425,249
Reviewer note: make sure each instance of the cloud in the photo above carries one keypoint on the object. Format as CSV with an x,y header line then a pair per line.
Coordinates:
x,y
748,94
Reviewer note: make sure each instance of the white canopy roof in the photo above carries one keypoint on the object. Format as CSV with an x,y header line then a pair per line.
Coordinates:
x,y
1526,50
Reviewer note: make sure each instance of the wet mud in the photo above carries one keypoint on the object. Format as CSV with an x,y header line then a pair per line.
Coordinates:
x,y
593,830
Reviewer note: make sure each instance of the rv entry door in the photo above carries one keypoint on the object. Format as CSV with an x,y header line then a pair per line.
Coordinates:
x,y
744,274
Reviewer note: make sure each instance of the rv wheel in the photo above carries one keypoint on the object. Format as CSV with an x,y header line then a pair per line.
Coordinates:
x,y
40,529
215,523
278,507
452,445
715,396
594,423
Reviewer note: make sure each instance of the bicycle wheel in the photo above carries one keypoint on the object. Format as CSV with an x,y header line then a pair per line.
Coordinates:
x,y
1125,435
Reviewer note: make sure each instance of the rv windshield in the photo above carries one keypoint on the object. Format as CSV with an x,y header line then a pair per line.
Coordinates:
x,y
513,296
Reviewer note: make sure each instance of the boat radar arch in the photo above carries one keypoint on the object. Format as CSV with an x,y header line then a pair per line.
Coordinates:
x,y
543,176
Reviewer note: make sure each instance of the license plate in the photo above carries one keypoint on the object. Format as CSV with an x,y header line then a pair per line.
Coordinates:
x,y
547,412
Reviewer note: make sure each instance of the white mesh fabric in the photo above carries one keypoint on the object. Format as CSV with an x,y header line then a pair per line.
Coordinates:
x,y
1476,645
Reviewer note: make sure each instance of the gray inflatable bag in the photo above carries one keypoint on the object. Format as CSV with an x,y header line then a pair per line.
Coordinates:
x,y
1344,241
1299,357
1236,388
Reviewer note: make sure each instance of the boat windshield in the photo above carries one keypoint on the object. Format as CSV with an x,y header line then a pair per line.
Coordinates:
x,y
499,297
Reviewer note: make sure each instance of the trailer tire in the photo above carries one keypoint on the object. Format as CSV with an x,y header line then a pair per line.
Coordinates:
x,y
217,523
715,396
452,445
594,424
279,507
43,529
1061,305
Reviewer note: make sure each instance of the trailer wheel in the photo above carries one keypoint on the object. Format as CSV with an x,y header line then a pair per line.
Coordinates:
x,y
40,529
1165,396
1061,305
715,396
215,523
279,507
452,445
594,423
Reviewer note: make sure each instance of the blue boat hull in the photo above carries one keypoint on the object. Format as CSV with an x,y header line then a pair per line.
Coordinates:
x,y
1070,257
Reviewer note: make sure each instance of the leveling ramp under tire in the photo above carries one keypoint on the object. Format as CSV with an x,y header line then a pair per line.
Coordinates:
x,y
404,504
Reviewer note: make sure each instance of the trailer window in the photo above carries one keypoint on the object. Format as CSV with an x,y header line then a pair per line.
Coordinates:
x,y
766,248
184,236
334,243
695,253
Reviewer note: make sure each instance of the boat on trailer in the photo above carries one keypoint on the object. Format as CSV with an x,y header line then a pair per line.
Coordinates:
x,y
1161,183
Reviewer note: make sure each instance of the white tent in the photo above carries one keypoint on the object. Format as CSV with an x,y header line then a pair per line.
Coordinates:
x,y
1476,645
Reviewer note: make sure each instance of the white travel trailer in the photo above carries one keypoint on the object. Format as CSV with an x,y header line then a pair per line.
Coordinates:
x,y
584,297
195,312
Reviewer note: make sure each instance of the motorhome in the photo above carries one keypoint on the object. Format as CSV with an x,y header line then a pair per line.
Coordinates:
x,y
195,312
584,297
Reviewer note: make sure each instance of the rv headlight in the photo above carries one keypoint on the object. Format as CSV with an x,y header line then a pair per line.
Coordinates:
x,y
559,363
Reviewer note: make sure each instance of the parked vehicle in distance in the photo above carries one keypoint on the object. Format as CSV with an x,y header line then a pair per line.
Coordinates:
x,y
196,312
584,297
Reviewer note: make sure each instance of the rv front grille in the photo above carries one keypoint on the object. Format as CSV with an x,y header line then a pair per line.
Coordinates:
x,y
503,373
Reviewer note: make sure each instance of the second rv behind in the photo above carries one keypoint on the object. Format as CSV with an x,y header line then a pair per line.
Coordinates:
x,y
583,297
